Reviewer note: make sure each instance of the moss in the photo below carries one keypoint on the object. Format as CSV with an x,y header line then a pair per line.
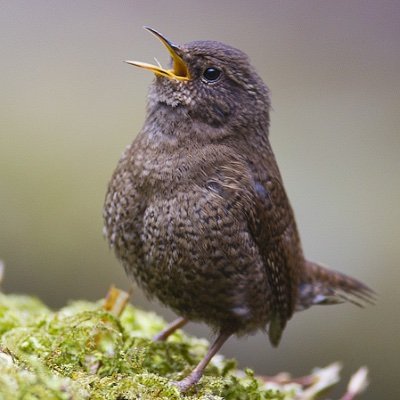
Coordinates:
x,y
85,352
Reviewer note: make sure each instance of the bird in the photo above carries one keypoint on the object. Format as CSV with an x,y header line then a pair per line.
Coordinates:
x,y
196,209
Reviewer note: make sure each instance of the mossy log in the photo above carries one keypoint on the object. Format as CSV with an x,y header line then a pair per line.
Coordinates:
x,y
83,351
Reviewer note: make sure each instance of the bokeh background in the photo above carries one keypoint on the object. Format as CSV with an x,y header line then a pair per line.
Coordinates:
x,y
69,106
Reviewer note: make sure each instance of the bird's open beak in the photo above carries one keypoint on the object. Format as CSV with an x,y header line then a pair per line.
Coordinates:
x,y
179,69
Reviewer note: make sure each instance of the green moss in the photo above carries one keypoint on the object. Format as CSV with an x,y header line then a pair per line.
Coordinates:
x,y
84,352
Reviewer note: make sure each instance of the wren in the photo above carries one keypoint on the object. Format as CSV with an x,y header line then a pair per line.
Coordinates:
x,y
196,210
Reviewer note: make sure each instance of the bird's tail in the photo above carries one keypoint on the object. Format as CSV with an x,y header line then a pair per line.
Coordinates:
x,y
325,286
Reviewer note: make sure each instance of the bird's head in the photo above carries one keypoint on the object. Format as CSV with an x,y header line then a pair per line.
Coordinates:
x,y
213,84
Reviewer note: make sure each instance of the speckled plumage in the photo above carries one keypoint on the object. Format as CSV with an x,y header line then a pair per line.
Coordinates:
x,y
196,210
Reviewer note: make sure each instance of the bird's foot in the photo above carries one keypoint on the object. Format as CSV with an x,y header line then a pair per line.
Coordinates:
x,y
186,383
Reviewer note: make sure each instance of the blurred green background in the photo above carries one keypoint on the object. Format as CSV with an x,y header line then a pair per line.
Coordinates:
x,y
69,106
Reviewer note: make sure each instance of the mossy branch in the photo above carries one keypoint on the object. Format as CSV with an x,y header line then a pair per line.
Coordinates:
x,y
84,351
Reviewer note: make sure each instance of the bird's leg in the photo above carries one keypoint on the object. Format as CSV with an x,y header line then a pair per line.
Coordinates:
x,y
171,328
197,373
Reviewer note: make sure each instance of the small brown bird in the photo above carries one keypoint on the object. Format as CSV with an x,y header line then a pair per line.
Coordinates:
x,y
196,210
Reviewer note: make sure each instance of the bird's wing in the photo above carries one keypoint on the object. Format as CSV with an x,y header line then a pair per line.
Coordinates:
x,y
270,221
273,228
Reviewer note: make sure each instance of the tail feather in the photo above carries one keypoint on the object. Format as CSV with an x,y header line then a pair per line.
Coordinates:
x,y
324,286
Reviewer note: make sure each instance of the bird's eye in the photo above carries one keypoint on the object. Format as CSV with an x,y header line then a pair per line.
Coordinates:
x,y
211,74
